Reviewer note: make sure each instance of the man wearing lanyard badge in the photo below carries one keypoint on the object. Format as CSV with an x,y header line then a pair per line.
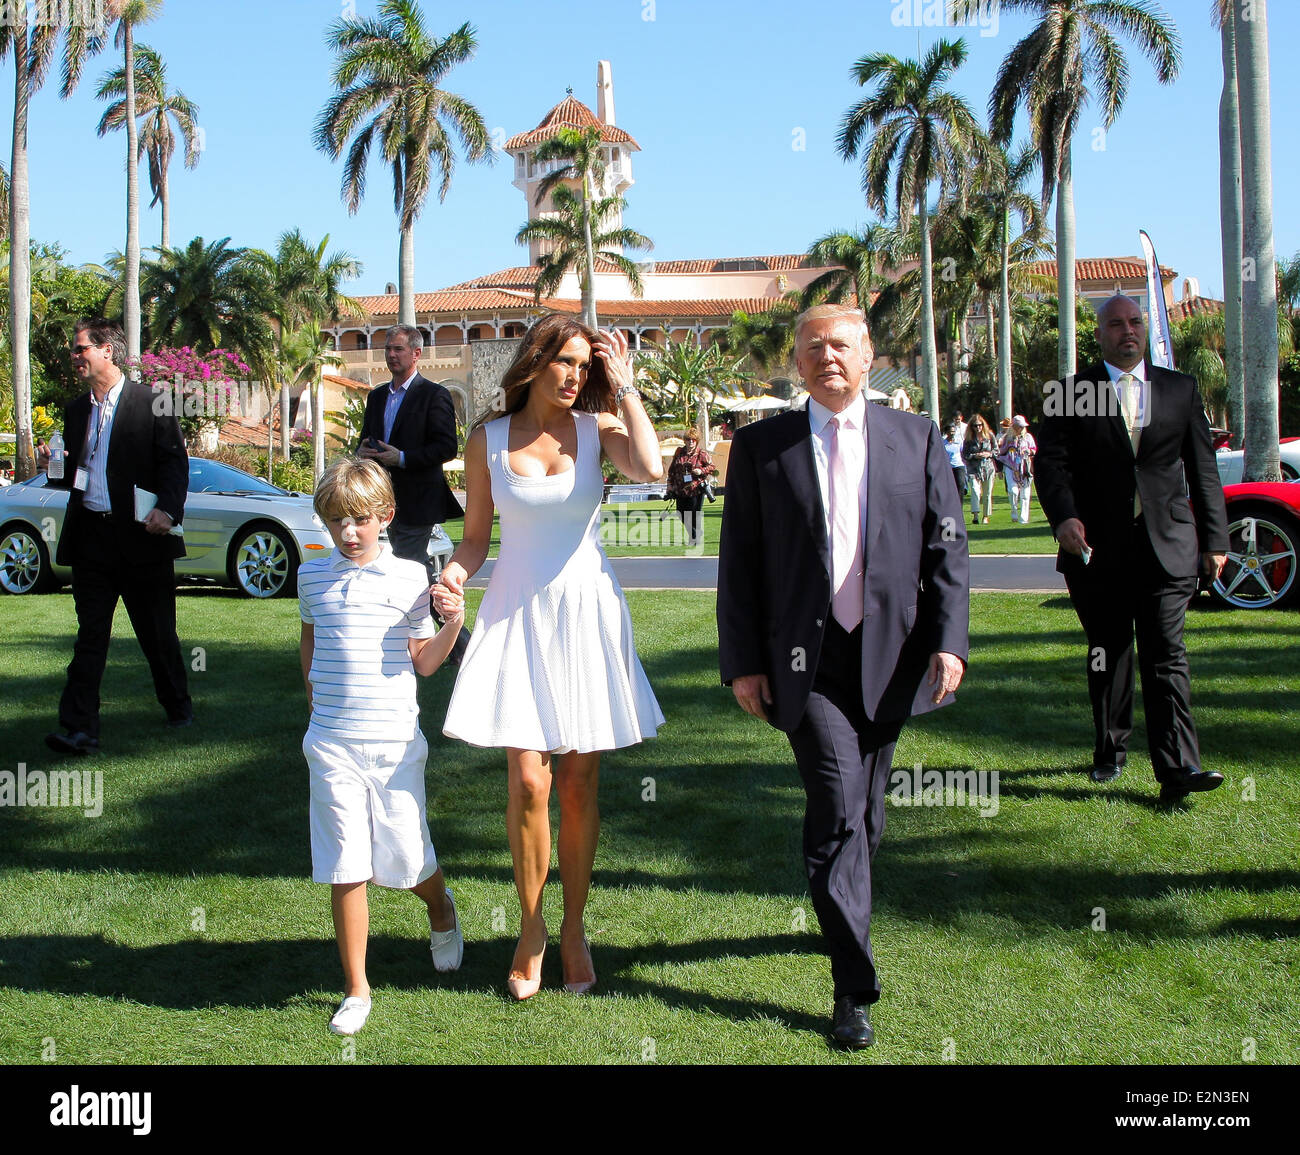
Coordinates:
x,y
117,444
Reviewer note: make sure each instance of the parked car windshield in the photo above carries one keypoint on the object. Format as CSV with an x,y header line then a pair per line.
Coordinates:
x,y
214,477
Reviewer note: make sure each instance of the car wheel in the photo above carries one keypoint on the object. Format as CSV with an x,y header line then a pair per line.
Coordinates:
x,y
1288,474
263,561
24,561
1261,568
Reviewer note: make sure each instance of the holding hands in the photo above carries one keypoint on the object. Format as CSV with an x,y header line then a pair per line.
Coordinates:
x,y
448,594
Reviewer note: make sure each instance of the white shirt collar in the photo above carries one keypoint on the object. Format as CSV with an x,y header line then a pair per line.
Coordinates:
x,y
110,398
407,383
1138,372
854,413
340,561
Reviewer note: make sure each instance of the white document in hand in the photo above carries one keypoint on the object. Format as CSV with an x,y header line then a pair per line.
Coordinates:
x,y
144,502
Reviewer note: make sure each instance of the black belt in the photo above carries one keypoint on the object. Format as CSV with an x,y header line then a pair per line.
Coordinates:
x,y
102,513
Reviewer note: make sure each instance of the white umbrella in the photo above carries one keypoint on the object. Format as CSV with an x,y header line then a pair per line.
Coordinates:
x,y
734,404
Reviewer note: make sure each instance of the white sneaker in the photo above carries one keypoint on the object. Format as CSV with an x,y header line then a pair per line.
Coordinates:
x,y
448,946
351,1016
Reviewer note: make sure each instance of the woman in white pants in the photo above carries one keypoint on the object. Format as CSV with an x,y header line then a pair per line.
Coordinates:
x,y
1017,455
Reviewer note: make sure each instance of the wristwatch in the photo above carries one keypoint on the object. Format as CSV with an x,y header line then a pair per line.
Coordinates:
x,y
623,392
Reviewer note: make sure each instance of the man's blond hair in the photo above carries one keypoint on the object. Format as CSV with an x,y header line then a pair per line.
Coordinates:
x,y
835,313
353,488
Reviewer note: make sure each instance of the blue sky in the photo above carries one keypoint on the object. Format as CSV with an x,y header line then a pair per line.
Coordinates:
x,y
719,94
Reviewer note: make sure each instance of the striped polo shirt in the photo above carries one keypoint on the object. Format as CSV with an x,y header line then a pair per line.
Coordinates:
x,y
363,683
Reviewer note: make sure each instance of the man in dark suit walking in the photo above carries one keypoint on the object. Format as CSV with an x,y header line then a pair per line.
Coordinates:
x,y
843,609
1117,458
410,429
118,440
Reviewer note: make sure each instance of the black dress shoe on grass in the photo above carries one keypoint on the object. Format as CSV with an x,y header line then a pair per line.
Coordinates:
x,y
71,742
1181,783
1106,773
181,721
851,1025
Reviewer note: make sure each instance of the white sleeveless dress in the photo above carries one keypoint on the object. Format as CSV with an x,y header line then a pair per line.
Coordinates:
x,y
551,664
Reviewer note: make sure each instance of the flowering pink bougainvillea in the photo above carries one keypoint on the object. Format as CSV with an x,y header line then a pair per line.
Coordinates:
x,y
200,390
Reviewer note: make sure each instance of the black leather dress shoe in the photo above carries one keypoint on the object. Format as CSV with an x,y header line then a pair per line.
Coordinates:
x,y
71,742
181,720
1106,773
852,1023
1180,783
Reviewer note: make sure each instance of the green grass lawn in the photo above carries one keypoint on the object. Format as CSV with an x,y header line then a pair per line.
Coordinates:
x,y
653,529
181,926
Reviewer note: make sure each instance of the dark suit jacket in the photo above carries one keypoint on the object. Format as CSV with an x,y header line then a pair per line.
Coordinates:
x,y
1086,469
425,432
774,582
146,450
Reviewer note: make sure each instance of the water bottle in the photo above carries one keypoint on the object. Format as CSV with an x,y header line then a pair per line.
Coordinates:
x,y
55,471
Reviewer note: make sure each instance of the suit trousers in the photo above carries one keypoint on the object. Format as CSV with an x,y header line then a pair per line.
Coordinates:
x,y
844,760
1137,599
410,541
102,573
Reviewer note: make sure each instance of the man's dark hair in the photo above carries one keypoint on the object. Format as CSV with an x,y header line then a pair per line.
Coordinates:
x,y
102,331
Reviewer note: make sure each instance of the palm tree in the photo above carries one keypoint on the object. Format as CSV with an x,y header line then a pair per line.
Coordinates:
x,y
207,296
921,133
574,231
1050,71
1258,293
129,13
157,108
305,355
1230,222
861,258
687,376
389,70
584,165
767,338
1005,190
303,292
33,48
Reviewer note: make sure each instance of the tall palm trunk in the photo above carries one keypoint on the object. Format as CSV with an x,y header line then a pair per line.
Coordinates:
x,y
1004,321
317,427
406,276
589,255
990,337
1259,295
929,355
20,254
131,305
284,421
1230,228
165,197
1065,345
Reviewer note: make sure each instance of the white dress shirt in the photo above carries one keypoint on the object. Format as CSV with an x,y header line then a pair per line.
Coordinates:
x,y
396,395
853,416
94,458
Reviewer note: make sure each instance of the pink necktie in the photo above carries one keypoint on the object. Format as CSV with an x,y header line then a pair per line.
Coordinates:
x,y
846,528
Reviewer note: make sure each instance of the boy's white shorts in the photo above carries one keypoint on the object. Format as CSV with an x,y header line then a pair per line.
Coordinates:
x,y
367,811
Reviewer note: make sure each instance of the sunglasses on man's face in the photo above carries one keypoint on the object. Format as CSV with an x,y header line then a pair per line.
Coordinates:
x,y
78,350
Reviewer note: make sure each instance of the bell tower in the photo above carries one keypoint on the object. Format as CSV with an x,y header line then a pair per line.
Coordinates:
x,y
617,147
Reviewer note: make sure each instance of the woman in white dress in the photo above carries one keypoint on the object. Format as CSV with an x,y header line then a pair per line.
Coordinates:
x,y
551,673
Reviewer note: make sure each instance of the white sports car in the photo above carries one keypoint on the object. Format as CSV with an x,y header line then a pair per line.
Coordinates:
x,y
240,531
1229,462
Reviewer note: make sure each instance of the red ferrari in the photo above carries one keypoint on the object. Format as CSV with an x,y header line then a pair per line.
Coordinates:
x,y
1263,537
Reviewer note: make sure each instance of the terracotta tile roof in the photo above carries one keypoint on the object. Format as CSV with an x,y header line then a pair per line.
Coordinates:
x,y
1104,269
782,263
521,277
1193,306
658,310
570,113
236,433
449,301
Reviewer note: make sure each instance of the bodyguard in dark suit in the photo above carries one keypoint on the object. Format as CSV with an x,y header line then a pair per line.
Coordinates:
x,y
843,608
410,429
116,442
1126,476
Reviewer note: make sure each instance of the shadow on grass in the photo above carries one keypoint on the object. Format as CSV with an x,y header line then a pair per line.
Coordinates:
x,y
199,974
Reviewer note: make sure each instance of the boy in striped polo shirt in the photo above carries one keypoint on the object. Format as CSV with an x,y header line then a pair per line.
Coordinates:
x,y
366,632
